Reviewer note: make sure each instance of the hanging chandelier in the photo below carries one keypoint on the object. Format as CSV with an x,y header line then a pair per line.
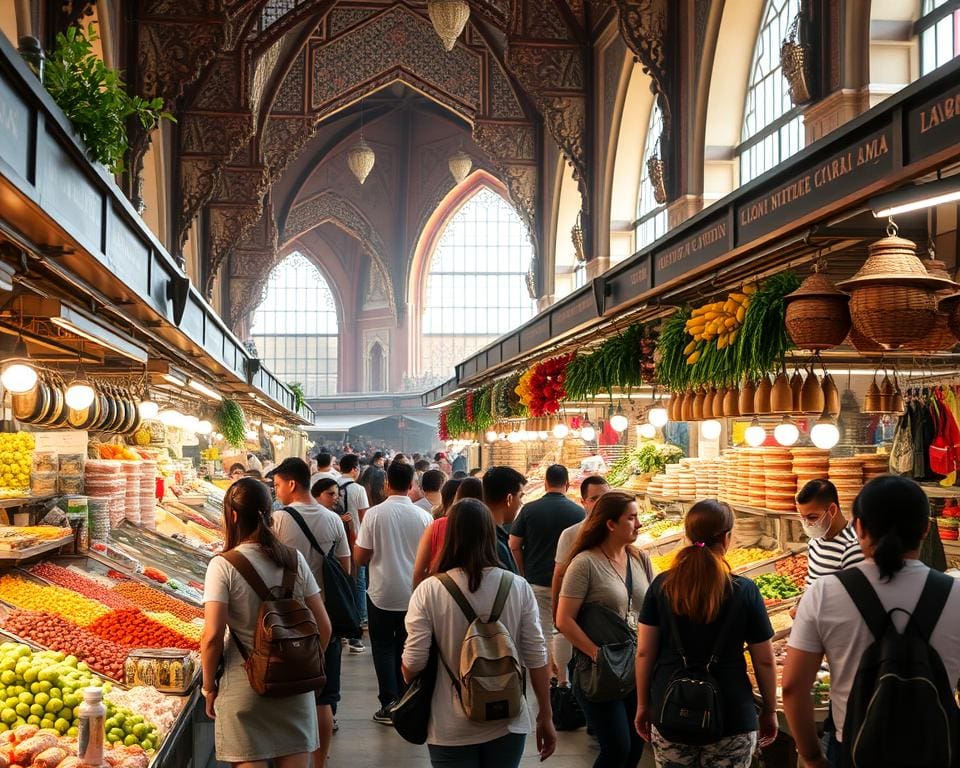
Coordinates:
x,y
449,17
460,164
360,159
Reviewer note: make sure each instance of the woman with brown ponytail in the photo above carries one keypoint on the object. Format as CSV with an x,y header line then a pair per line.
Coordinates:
x,y
698,616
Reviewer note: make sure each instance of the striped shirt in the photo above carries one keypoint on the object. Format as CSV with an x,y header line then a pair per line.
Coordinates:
x,y
829,556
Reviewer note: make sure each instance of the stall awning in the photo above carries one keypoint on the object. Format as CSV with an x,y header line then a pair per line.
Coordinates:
x,y
336,422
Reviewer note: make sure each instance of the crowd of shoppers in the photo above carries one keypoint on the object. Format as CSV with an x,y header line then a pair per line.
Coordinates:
x,y
581,605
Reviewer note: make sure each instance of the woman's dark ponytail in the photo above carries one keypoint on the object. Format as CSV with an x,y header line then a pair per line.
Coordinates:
x,y
895,513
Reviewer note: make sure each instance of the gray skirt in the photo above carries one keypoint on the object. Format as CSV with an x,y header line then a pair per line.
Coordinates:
x,y
252,727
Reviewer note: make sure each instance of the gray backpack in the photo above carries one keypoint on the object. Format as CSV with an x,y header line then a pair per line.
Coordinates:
x,y
490,682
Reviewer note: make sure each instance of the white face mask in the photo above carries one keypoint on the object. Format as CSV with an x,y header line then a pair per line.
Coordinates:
x,y
818,529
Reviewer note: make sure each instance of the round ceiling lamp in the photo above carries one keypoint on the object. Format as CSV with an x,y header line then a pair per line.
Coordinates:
x,y
360,159
755,434
491,436
204,427
79,394
460,165
560,430
658,416
710,429
18,375
449,18
513,437
647,431
618,421
148,408
786,432
825,433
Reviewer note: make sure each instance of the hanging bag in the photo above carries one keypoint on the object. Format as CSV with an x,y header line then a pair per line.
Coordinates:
x,y
411,714
901,450
692,708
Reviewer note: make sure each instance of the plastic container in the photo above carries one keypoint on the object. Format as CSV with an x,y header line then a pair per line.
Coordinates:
x,y
43,483
70,484
45,461
98,515
92,714
71,463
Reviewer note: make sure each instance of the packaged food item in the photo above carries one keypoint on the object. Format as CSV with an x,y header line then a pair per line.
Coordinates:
x,y
70,484
169,670
92,715
45,461
43,483
71,463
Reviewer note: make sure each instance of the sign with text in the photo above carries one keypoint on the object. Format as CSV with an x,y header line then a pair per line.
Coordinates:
x,y
535,334
934,126
577,310
861,163
709,240
626,285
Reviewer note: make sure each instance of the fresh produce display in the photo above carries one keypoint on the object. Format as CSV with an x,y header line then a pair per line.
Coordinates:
x,y
43,689
43,532
151,600
162,711
794,568
133,628
56,600
113,451
738,558
16,459
647,458
189,630
773,586
720,320
623,361
83,585
543,391
662,528
58,634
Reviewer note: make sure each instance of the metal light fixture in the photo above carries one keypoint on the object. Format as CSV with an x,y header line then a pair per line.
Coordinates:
x,y
203,389
618,421
755,434
460,165
588,432
825,433
560,430
786,432
79,394
449,18
491,436
711,429
916,197
360,159
658,416
18,375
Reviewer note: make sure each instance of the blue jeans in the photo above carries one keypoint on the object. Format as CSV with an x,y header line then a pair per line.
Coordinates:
x,y
387,636
361,582
504,752
612,721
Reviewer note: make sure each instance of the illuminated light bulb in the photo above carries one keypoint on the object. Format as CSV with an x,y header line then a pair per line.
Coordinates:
x,y
79,394
824,434
647,431
190,423
204,427
168,416
491,436
560,430
543,436
513,437
711,429
786,432
755,434
619,422
658,416
588,433
148,409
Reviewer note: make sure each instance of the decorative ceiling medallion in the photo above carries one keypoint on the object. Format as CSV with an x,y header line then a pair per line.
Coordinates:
x,y
449,17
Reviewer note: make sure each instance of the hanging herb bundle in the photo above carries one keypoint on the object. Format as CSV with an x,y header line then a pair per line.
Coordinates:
x,y
231,423
505,400
672,370
482,409
300,399
623,361
457,424
763,339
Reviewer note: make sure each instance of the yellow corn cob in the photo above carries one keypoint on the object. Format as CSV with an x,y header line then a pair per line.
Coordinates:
x,y
741,314
731,323
738,297
732,336
750,289
690,347
692,359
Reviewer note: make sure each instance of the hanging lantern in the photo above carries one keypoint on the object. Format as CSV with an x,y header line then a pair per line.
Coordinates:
x,y
460,164
449,17
360,159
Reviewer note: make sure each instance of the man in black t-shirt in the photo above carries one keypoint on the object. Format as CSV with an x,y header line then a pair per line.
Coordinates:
x,y
534,537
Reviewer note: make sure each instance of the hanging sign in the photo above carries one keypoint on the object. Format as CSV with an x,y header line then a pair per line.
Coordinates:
x,y
934,126
628,284
821,183
578,309
708,241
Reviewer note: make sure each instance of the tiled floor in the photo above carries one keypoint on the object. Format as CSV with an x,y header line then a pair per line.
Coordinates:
x,y
362,743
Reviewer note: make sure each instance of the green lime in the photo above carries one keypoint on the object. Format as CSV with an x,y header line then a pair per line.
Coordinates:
x,y
146,745
33,720
130,740
62,725
22,709
8,715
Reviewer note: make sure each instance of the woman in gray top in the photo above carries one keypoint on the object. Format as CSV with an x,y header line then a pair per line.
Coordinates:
x,y
607,570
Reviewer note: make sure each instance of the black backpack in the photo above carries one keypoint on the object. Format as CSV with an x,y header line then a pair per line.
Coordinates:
x,y
339,588
901,712
691,711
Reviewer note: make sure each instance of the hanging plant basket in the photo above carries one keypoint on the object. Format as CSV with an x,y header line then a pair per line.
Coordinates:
x,y
818,314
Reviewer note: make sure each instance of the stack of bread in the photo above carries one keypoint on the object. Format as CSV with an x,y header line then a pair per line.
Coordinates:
x,y
781,482
874,465
810,464
847,475
757,483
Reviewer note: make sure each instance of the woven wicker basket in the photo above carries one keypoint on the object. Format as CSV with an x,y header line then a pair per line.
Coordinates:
x,y
941,338
861,343
950,306
893,315
818,315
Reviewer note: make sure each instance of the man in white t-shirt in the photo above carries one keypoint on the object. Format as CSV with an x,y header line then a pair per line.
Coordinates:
x,y
431,481
387,543
324,468
291,482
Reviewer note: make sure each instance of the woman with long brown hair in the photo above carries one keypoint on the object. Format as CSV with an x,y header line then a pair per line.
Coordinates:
x,y
469,559
601,595
698,616
250,729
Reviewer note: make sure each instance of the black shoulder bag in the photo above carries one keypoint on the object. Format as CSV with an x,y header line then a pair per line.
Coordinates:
x,y
692,708
339,589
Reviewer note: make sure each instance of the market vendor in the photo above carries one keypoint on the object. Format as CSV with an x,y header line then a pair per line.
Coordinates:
x,y
833,544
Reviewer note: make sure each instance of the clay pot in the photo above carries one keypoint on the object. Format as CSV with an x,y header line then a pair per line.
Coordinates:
x,y
762,397
731,402
796,390
718,397
747,393
781,396
687,409
698,401
871,400
706,409
811,396
831,396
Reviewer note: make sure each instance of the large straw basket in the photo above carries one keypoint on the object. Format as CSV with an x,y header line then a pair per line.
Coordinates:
x,y
818,315
941,337
893,299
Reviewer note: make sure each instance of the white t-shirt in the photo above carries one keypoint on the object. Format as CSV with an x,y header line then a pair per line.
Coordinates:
x,y
565,543
392,530
224,584
433,613
325,526
424,504
331,473
829,622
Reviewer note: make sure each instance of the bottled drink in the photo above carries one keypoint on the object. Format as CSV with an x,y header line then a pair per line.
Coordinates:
x,y
92,716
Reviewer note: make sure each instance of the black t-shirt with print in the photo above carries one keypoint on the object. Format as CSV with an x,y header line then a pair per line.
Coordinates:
x,y
752,625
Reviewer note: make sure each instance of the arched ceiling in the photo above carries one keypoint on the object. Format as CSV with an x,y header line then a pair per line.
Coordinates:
x,y
254,83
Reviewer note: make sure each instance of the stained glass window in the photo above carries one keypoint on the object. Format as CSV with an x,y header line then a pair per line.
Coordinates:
x,y
772,126
939,29
295,326
651,215
476,285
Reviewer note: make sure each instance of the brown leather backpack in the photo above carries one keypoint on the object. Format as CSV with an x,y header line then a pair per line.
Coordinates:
x,y
287,657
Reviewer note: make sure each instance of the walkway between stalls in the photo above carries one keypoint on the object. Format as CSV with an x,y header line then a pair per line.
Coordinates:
x,y
362,743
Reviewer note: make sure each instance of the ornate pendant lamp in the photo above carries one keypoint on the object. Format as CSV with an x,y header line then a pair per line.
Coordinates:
x,y
449,17
460,165
360,159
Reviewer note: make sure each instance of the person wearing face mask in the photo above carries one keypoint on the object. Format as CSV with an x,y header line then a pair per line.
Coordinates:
x,y
833,544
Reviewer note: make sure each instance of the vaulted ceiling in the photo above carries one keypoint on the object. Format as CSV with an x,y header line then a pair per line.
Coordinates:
x,y
265,91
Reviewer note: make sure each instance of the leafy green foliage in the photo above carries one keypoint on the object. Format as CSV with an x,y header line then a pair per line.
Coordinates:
x,y
231,423
94,97
623,361
300,399
505,402
672,369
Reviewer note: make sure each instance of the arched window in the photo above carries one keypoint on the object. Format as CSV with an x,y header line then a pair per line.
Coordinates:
x,y
475,289
376,359
295,326
651,215
939,28
772,126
